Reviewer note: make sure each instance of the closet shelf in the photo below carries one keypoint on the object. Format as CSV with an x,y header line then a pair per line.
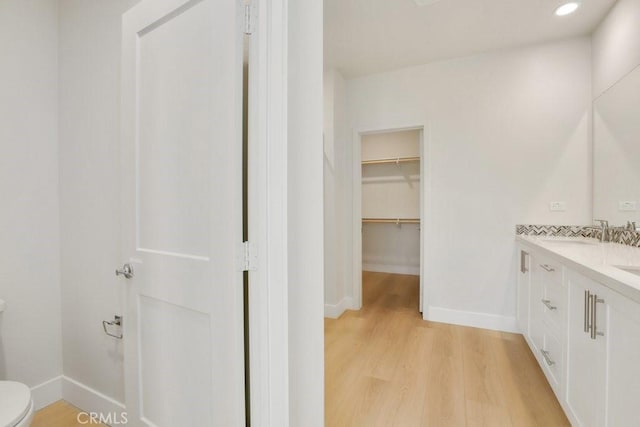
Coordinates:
x,y
396,160
391,220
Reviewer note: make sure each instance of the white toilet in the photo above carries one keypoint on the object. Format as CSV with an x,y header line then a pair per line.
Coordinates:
x,y
16,405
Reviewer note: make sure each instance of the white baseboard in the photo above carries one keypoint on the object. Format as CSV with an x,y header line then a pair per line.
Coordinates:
x,y
88,399
47,393
389,268
473,319
334,311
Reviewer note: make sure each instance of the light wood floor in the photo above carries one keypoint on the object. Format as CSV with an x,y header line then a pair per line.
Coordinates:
x,y
60,414
385,366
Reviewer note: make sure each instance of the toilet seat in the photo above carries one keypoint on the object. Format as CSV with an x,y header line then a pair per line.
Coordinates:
x,y
15,403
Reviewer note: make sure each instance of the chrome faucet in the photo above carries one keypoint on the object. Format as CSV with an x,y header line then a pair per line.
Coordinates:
x,y
604,229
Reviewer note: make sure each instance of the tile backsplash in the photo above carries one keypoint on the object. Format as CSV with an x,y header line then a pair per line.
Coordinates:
x,y
624,237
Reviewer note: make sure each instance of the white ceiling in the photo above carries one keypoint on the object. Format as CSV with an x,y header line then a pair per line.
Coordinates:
x,y
369,36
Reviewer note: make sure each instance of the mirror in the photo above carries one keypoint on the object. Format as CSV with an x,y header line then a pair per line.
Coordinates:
x,y
616,152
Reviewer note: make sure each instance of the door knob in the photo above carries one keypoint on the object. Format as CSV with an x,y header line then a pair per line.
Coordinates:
x,y
126,271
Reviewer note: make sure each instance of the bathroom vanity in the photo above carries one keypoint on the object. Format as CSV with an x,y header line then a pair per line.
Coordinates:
x,y
579,310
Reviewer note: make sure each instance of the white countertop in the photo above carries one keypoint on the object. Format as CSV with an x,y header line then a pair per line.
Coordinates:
x,y
593,259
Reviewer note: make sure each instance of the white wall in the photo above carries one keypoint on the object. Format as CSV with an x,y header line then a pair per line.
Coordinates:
x,y
616,45
337,202
30,343
331,292
390,248
305,213
342,156
507,133
90,192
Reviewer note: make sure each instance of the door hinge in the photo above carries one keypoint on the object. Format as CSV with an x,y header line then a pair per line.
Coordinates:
x,y
248,259
248,19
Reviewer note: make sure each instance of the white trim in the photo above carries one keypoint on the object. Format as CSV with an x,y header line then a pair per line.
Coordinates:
x,y
413,270
356,250
88,399
47,393
267,198
76,393
425,216
476,320
333,311
425,205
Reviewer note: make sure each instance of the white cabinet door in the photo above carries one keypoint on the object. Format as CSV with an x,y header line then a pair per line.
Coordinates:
x,y
623,373
524,276
182,212
586,363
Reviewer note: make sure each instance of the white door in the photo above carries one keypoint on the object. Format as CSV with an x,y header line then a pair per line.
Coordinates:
x,y
623,354
182,213
586,361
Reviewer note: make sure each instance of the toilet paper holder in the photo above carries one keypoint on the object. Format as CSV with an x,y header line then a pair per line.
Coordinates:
x,y
106,325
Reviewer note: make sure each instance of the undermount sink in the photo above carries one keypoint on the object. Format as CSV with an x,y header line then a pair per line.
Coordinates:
x,y
570,241
633,269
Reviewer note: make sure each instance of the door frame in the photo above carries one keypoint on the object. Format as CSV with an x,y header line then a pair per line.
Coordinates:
x,y
267,215
285,339
425,198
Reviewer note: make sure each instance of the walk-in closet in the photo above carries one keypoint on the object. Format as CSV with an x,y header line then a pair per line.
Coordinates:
x,y
390,204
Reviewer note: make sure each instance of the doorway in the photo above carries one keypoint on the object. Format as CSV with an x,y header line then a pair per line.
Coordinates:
x,y
389,204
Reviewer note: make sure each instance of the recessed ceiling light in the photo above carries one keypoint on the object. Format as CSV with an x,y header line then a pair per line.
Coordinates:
x,y
567,8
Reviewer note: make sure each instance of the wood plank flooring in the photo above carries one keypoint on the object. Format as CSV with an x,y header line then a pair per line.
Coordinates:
x,y
60,414
385,366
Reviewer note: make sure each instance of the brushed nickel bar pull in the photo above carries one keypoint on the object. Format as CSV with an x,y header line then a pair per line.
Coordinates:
x,y
594,324
523,262
586,311
591,319
547,303
593,316
601,301
547,267
547,359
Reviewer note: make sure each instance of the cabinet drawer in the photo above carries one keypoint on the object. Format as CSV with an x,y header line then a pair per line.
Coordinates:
x,y
551,359
554,304
536,334
548,271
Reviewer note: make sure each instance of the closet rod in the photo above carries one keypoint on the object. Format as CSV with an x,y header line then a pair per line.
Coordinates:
x,y
392,220
395,160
